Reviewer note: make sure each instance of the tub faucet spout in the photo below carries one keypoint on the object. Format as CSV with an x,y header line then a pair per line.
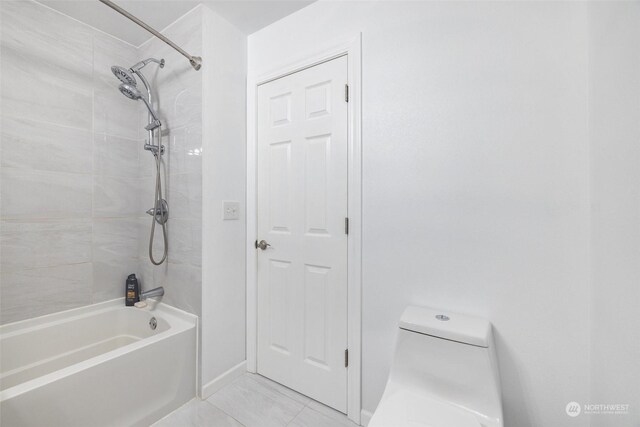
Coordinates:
x,y
155,292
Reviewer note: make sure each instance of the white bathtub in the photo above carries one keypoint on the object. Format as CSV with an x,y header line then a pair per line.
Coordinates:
x,y
100,365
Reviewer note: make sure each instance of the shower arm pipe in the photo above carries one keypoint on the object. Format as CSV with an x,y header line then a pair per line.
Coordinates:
x,y
195,61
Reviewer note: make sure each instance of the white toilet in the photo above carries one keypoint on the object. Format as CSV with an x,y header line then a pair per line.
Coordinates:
x,y
444,373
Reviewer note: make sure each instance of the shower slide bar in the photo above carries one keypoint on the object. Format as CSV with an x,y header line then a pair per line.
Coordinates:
x,y
195,61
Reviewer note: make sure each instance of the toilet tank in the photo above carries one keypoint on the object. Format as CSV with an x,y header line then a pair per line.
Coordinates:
x,y
450,357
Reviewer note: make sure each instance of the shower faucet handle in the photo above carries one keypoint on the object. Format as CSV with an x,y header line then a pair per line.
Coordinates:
x,y
160,212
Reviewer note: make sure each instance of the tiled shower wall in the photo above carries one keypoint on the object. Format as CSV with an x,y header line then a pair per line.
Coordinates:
x,y
69,164
75,180
178,91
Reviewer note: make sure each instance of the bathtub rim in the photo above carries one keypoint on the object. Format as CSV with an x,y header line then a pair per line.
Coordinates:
x,y
33,323
179,322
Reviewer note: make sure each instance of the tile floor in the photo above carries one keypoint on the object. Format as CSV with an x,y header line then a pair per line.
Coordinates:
x,y
255,401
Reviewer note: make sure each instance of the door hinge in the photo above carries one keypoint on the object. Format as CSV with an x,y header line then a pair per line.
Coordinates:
x,y
346,93
346,226
346,358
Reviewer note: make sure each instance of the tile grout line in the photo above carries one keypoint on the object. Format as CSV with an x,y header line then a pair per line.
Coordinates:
x,y
249,377
298,414
305,405
326,415
307,398
222,410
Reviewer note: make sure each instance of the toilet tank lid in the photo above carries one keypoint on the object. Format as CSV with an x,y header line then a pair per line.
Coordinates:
x,y
447,325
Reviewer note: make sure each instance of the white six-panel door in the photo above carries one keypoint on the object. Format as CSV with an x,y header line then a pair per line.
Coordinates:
x,y
302,206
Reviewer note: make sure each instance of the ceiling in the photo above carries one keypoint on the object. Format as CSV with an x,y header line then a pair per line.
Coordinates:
x,y
247,15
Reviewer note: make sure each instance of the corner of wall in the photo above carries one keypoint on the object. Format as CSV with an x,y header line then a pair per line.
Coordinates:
x,y
223,242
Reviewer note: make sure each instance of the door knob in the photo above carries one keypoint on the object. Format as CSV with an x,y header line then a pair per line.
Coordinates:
x,y
262,245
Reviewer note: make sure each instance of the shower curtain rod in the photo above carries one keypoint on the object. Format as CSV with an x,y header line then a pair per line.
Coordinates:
x,y
195,61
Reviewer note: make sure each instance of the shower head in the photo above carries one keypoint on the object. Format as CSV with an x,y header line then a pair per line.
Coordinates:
x,y
129,89
132,92
124,75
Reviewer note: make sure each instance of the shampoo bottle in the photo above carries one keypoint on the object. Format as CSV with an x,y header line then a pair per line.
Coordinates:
x,y
132,290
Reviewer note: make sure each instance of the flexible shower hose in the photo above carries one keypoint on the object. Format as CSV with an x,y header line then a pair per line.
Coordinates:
x,y
158,207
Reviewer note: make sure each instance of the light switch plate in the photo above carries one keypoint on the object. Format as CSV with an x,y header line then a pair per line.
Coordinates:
x,y
230,209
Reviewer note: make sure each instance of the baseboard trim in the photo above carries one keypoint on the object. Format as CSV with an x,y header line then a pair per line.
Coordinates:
x,y
223,380
365,417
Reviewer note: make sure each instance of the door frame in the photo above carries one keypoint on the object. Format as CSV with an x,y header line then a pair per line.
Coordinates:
x,y
351,47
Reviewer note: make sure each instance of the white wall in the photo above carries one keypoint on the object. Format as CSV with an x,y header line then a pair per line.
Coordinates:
x,y
615,162
69,164
475,179
224,177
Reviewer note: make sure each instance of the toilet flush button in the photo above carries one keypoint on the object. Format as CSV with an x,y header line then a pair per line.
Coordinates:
x,y
442,317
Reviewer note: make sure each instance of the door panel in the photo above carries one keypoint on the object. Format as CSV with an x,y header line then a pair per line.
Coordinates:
x,y
302,206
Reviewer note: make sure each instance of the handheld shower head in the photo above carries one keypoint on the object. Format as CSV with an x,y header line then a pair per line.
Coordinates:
x,y
132,92
129,88
124,75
